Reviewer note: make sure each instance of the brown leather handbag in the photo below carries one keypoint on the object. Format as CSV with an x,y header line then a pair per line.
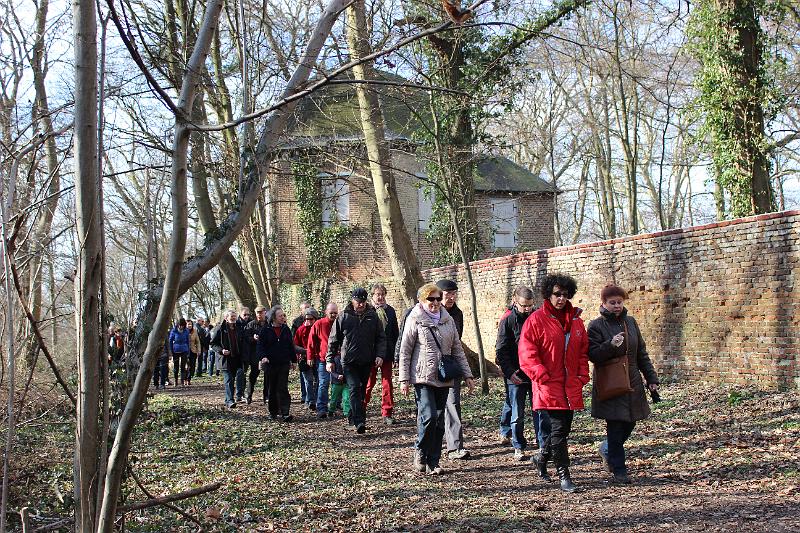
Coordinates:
x,y
612,378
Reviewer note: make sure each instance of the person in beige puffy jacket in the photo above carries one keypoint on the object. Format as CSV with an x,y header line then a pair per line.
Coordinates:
x,y
427,323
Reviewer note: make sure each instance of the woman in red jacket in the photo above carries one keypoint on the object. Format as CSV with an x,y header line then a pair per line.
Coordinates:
x,y
553,352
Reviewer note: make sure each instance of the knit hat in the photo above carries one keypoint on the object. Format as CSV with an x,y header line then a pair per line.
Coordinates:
x,y
359,294
312,313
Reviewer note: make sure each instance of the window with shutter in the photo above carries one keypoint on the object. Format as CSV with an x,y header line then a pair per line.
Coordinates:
x,y
425,205
335,199
504,222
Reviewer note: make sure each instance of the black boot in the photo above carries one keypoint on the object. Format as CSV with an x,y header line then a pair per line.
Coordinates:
x,y
540,459
566,483
561,459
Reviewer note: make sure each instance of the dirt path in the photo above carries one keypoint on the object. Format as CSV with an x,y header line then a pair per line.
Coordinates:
x,y
699,464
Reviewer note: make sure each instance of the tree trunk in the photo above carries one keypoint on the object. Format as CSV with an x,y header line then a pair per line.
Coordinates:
x,y
41,230
180,211
395,236
179,279
89,219
228,265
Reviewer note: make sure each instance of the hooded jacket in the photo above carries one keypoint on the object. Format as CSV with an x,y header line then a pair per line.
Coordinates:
x,y
179,340
360,338
419,354
633,406
555,358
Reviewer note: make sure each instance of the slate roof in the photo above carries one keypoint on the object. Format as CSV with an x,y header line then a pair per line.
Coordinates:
x,y
331,115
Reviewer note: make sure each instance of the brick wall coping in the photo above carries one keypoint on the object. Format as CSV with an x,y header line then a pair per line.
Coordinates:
x,y
531,257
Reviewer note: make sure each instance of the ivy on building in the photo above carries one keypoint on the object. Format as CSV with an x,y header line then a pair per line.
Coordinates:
x,y
323,244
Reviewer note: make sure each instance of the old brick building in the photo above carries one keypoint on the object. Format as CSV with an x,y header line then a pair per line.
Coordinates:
x,y
514,207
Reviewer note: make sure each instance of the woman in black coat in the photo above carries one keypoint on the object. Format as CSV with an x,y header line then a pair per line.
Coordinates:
x,y
615,334
276,350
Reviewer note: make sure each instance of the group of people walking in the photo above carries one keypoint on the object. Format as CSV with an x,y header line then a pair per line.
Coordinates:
x,y
543,355
188,346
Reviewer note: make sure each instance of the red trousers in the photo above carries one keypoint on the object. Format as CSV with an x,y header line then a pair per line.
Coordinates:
x,y
387,401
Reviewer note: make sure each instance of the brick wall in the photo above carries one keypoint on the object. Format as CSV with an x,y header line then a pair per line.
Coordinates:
x,y
716,303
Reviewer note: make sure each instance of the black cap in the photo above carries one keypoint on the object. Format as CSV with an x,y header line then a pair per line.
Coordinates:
x,y
447,285
312,313
359,294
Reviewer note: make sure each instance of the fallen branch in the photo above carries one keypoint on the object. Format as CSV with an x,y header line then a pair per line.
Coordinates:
x,y
161,500
167,505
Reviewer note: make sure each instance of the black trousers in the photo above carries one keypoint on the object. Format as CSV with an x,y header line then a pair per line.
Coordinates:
x,y
279,400
357,375
179,364
617,432
556,444
252,377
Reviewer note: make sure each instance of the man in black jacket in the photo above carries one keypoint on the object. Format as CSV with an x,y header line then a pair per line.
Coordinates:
x,y
388,318
229,341
518,385
453,431
252,363
359,334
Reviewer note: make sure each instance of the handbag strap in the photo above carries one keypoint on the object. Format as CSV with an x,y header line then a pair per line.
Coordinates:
x,y
433,334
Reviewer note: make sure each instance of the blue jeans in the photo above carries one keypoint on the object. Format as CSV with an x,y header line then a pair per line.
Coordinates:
x,y
309,378
324,378
228,378
430,421
514,410
512,418
212,360
617,432
239,384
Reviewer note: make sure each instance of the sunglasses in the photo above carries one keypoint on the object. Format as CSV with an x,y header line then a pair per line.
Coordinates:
x,y
434,298
561,294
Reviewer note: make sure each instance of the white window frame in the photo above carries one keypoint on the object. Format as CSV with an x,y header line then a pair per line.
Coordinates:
x,y
504,225
424,208
335,189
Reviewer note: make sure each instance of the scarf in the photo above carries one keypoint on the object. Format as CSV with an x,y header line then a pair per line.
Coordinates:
x,y
435,317
561,314
382,315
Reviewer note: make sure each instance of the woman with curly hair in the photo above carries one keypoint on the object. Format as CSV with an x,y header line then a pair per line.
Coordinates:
x,y
553,353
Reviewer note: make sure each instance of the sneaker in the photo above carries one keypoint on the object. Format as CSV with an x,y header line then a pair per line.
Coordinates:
x,y
419,461
232,405
249,400
460,453
360,429
312,407
505,440
434,470
519,454
287,418
388,420
322,415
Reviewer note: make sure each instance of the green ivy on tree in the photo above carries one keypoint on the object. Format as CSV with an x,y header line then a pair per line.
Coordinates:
x,y
324,245
738,96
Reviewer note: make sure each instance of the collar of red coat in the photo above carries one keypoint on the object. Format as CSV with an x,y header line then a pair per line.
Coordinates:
x,y
569,313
